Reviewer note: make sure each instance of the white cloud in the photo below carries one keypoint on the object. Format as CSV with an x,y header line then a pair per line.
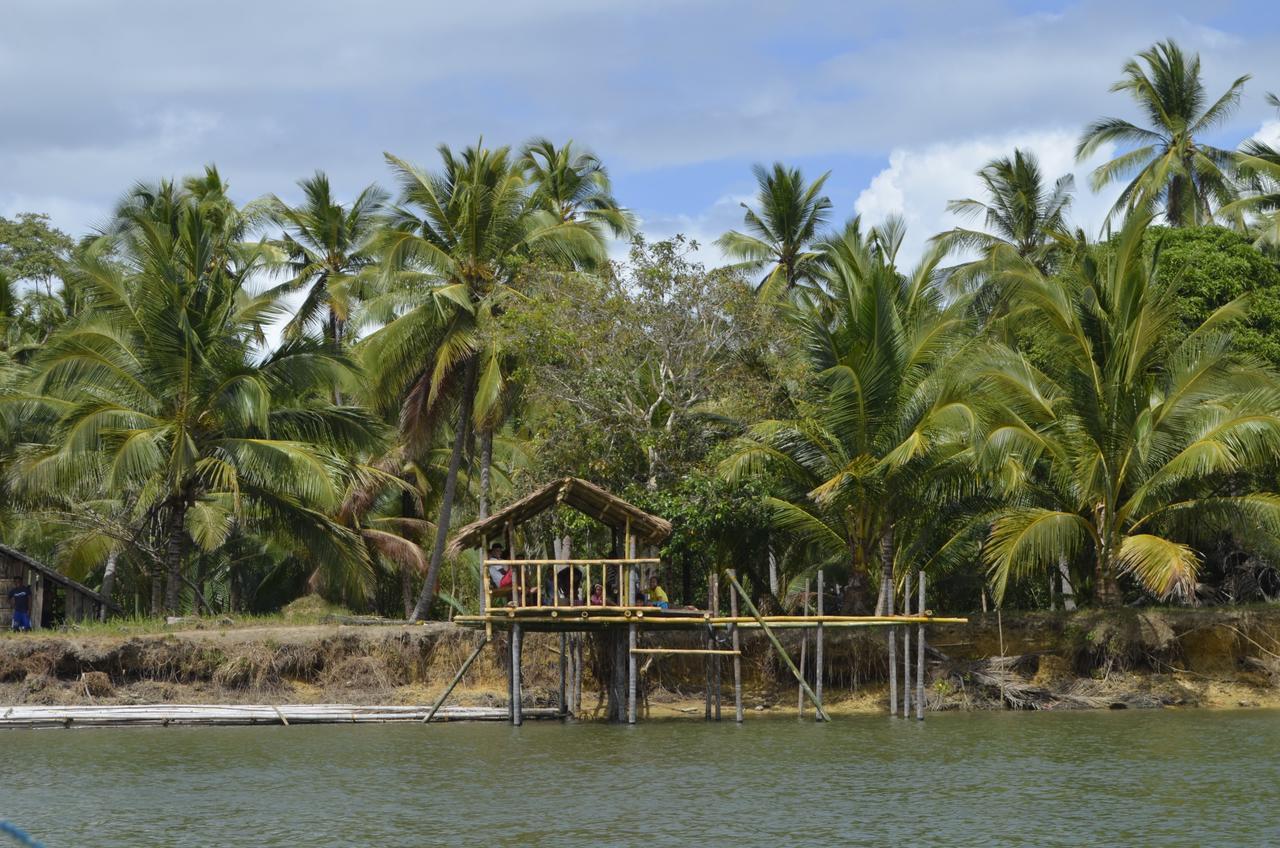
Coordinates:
x,y
1269,133
919,182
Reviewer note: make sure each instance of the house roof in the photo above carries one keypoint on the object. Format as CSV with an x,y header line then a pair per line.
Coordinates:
x,y
56,577
587,498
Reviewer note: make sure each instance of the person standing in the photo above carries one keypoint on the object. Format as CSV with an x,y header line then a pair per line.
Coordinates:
x,y
20,597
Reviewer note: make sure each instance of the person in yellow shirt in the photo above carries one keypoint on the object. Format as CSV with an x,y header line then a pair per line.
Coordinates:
x,y
656,596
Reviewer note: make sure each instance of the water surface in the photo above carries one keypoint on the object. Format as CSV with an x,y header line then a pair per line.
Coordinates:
x,y
1161,778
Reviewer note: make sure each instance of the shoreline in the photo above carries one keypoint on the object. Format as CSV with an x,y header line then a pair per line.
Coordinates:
x,y
1090,659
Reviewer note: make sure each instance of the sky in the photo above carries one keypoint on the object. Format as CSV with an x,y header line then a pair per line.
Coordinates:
x,y
901,101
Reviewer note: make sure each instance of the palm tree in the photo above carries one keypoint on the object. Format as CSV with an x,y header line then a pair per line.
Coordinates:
x,y
155,387
452,249
574,185
1022,217
327,245
887,418
1260,172
1146,432
1174,169
782,231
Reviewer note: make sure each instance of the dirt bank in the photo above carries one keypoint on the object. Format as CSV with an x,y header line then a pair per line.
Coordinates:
x,y
1089,659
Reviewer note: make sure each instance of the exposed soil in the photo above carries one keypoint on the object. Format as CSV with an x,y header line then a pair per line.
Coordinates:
x,y
1088,659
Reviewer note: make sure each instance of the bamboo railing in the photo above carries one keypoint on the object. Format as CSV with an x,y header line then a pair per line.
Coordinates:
x,y
538,583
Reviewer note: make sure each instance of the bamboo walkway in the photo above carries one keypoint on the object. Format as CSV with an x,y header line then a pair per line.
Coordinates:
x,y
238,714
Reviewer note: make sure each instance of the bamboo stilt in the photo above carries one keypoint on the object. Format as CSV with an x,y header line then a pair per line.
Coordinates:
x,y
920,655
893,653
737,656
564,673
717,681
804,646
517,649
457,678
906,651
755,613
819,669
631,676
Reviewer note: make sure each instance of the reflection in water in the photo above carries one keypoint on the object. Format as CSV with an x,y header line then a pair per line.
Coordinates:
x,y
1154,778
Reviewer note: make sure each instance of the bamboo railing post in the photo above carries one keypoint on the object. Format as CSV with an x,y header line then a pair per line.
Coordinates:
x,y
457,678
773,639
631,674
906,651
737,657
819,670
517,650
920,608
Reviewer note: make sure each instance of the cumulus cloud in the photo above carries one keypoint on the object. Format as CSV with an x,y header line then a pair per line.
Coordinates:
x,y
918,182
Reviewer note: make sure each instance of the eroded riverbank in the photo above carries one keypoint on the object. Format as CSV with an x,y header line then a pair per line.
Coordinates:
x,y
1128,658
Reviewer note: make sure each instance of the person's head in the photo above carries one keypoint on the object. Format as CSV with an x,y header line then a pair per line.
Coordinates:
x,y
653,582
597,589
496,551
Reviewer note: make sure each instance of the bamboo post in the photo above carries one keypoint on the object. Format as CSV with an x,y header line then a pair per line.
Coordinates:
x,y
920,608
717,681
457,678
517,718
819,670
737,657
906,651
631,675
773,639
577,674
564,669
889,593
804,647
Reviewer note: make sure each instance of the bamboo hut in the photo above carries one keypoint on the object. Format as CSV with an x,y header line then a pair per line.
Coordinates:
x,y
56,599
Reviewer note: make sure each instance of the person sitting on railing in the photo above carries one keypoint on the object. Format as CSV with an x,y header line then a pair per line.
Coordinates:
x,y
500,575
657,596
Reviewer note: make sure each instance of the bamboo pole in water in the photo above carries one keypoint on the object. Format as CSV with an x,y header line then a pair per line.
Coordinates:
x,y
777,646
631,675
819,670
715,658
564,673
737,656
920,607
804,644
517,650
906,651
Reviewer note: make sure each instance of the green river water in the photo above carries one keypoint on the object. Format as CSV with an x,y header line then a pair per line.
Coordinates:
x,y
1160,778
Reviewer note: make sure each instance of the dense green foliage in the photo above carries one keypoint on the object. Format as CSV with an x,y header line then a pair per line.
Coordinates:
x,y
219,407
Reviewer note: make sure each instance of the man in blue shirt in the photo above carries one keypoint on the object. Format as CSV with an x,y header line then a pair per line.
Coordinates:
x,y
20,596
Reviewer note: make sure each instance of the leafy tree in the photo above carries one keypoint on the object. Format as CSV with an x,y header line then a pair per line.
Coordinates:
x,y
454,243
32,250
1173,168
1143,428
782,230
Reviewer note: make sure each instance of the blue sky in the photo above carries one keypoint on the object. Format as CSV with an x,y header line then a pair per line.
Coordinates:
x,y
902,101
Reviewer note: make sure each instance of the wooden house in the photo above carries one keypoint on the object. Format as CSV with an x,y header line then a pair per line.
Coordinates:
x,y
56,598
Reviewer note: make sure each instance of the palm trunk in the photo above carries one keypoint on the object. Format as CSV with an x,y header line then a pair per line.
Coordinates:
x,y
856,592
884,605
428,593
175,554
486,463
108,580
1068,593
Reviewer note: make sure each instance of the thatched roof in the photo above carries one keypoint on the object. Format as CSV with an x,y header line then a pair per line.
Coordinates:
x,y
587,498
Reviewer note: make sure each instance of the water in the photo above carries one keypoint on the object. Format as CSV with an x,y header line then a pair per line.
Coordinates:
x,y
1109,778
